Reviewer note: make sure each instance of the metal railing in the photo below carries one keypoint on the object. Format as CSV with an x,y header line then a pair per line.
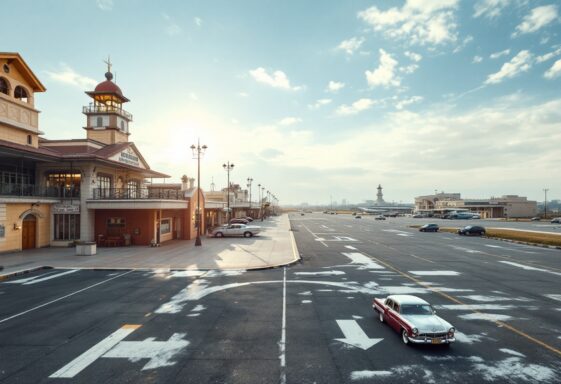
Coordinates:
x,y
32,190
94,108
136,194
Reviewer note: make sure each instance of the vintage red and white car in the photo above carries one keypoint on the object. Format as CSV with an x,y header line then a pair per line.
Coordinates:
x,y
414,319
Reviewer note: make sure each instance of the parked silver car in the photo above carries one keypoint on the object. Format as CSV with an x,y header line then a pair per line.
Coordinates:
x,y
236,230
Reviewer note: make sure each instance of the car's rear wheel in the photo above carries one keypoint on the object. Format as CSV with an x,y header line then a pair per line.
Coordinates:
x,y
219,234
404,336
247,234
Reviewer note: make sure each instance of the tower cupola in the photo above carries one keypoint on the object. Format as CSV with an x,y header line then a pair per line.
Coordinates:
x,y
107,121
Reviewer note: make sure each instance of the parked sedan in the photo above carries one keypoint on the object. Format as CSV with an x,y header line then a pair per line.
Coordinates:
x,y
380,217
472,230
429,228
358,217
414,319
557,220
236,230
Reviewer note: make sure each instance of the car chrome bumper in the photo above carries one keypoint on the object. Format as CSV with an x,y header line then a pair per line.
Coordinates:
x,y
428,340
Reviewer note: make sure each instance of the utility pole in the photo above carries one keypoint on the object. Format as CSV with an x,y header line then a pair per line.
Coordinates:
x,y
545,203
249,181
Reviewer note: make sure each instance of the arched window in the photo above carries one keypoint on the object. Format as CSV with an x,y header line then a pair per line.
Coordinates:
x,y
21,94
4,86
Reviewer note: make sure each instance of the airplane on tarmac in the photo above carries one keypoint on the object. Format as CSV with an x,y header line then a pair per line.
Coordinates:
x,y
389,210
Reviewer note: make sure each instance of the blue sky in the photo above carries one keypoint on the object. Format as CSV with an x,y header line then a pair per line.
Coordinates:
x,y
316,99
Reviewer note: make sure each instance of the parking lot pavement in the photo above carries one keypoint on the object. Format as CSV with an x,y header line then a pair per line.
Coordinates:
x,y
308,323
272,248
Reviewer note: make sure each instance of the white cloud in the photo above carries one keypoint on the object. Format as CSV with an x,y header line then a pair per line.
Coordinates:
x,y
417,21
319,103
105,5
539,17
548,56
351,45
477,59
198,21
276,79
413,56
403,103
290,121
522,62
356,107
334,86
384,75
68,76
490,8
468,39
554,71
409,69
171,28
243,94
496,55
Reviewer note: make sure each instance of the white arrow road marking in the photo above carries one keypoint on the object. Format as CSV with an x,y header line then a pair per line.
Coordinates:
x,y
326,273
41,278
364,261
354,335
160,353
85,359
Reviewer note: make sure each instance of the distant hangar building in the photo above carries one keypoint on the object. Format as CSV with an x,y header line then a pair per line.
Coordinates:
x,y
510,206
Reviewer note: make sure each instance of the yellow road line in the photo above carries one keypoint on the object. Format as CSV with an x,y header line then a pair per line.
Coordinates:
x,y
457,301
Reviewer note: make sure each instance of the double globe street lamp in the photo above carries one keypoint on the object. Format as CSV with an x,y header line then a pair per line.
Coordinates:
x,y
198,151
228,167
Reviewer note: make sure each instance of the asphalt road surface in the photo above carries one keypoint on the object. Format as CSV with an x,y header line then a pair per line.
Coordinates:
x,y
308,323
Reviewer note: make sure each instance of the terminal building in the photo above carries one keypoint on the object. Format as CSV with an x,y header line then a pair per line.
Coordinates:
x,y
98,188
508,206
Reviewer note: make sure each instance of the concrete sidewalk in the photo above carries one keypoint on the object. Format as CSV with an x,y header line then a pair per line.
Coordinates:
x,y
273,247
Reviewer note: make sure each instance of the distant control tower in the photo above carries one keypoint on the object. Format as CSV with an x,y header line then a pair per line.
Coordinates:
x,y
380,196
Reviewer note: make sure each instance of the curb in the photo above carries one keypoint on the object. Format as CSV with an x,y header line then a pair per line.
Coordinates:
x,y
541,245
23,272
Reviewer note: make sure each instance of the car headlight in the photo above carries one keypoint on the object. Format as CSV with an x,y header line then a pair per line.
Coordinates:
x,y
415,332
451,332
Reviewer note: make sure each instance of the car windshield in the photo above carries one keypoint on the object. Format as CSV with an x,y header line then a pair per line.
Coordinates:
x,y
416,309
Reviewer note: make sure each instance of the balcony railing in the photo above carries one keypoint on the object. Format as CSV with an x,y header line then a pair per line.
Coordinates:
x,y
94,108
135,194
32,190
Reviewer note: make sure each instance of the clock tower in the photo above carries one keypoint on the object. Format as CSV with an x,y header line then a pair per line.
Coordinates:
x,y
107,121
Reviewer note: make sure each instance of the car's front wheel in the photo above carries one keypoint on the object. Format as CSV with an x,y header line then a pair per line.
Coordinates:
x,y
247,234
219,234
404,336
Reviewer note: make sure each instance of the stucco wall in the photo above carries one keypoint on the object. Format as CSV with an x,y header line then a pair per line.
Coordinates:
x,y
10,214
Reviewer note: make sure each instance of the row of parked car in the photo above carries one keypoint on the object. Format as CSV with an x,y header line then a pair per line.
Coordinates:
x,y
469,230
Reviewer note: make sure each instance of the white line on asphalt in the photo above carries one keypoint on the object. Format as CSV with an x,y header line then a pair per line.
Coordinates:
x,y
282,343
40,280
350,247
528,268
421,258
21,281
323,273
435,273
63,297
85,359
316,236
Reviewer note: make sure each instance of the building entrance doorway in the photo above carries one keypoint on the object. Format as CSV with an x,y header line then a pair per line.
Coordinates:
x,y
28,232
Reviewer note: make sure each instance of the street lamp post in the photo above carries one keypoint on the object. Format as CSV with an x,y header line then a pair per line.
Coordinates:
x,y
198,151
262,206
249,181
545,203
228,167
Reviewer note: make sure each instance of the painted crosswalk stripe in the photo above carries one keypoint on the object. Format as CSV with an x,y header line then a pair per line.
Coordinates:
x,y
85,359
